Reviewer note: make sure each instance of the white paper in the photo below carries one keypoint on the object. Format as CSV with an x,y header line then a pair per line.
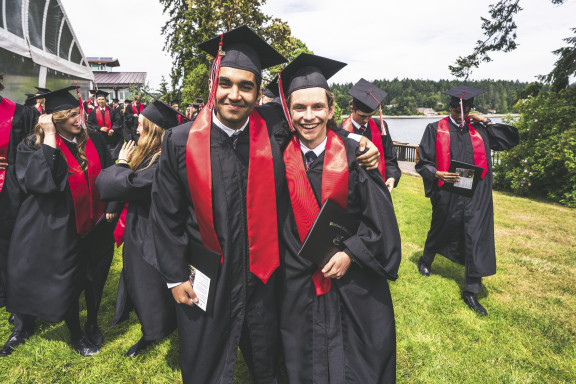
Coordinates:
x,y
201,287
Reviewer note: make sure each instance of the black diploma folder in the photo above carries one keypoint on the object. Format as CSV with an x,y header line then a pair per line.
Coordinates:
x,y
204,264
470,175
332,226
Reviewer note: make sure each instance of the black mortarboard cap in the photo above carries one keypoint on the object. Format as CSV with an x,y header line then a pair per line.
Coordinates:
x,y
161,113
59,100
127,101
268,92
100,93
174,102
469,94
196,105
92,90
307,71
115,100
41,90
30,99
366,96
244,49
199,100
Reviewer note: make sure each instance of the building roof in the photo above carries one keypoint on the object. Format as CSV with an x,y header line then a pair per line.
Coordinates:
x,y
119,79
109,61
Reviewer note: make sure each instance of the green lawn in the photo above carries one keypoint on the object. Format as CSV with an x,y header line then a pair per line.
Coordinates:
x,y
528,337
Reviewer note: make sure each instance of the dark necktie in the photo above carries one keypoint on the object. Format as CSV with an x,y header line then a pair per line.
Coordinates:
x,y
362,130
103,110
310,157
234,138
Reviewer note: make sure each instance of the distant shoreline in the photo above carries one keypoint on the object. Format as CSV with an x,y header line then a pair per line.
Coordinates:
x,y
500,115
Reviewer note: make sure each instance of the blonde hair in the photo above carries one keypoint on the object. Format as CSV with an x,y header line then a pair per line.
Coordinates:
x,y
149,144
81,139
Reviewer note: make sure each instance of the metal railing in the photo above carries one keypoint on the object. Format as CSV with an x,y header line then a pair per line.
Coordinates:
x,y
405,152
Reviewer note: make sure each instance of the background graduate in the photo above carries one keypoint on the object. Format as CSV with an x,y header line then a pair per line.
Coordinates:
x,y
462,228
140,284
337,324
108,122
58,223
16,122
131,113
366,99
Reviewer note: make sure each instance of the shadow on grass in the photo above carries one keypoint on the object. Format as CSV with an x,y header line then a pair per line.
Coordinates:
x,y
448,270
173,356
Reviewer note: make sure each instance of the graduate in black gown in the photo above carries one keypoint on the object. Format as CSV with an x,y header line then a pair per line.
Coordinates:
x,y
16,122
108,122
366,98
141,285
337,323
220,185
462,228
131,114
59,226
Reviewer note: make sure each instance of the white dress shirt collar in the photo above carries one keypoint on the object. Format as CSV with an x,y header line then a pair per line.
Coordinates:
x,y
318,150
227,130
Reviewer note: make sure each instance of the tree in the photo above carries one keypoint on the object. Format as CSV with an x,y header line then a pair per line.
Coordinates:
x,y
193,21
500,32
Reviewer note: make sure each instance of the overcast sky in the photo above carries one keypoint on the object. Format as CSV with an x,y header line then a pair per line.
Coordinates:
x,y
378,39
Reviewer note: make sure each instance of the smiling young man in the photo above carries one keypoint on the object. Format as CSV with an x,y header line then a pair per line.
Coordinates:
x,y
337,322
366,98
220,186
462,228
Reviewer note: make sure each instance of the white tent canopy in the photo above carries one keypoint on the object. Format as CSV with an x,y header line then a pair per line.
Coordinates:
x,y
40,30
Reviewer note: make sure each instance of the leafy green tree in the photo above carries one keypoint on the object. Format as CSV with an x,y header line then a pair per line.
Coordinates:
x,y
193,21
500,32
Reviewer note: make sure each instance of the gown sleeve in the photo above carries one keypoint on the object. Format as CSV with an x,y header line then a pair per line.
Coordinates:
x,y
426,165
376,245
502,136
390,157
40,171
169,214
120,183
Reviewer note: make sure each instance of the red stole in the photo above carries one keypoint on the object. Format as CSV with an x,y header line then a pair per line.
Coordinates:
x,y
40,109
139,110
7,109
375,133
121,227
260,197
103,122
179,119
443,148
88,207
334,187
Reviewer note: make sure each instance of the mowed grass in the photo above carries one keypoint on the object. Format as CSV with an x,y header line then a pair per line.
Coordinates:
x,y
528,337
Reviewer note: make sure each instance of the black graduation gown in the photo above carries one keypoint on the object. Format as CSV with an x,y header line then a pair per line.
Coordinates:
x,y
116,121
462,228
390,158
244,306
347,335
47,259
22,125
140,283
131,123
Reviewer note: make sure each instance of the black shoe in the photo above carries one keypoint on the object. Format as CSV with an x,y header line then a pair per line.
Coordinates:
x,y
423,267
84,347
138,347
15,339
11,318
472,302
94,334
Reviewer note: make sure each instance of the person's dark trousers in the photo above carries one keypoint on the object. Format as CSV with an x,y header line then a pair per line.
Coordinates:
x,y
24,322
471,284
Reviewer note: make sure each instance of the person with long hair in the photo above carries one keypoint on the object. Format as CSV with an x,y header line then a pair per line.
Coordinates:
x,y
60,221
130,181
337,319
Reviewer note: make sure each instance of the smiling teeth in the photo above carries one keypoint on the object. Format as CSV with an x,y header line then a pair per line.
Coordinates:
x,y
309,126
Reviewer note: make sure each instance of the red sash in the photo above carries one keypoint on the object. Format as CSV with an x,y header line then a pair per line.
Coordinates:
x,y
260,199
375,133
88,207
106,122
443,148
121,227
7,109
179,119
40,109
334,187
140,107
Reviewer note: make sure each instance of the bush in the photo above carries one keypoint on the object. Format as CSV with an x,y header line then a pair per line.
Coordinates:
x,y
544,163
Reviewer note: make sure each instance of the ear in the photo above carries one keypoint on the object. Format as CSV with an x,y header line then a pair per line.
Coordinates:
x,y
331,112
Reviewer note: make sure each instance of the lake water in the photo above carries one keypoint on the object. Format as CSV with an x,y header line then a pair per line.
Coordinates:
x,y
410,130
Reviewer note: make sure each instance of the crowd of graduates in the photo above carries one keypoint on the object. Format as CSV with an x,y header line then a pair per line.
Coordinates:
x,y
237,183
